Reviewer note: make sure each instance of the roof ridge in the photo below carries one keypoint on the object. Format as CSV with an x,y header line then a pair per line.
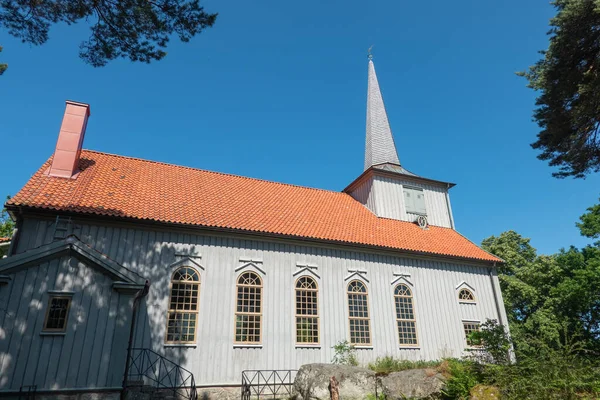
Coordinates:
x,y
213,172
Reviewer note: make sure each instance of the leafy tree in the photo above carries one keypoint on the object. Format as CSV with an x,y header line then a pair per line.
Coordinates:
x,y
549,297
590,223
493,339
134,29
2,66
568,80
6,227
6,224
545,371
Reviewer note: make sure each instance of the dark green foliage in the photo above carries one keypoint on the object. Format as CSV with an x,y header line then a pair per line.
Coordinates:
x,y
568,81
6,227
387,364
494,340
590,223
6,224
553,307
463,376
546,296
3,67
546,371
134,29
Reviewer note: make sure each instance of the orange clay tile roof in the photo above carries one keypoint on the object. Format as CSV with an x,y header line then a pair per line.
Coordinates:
x,y
4,239
126,187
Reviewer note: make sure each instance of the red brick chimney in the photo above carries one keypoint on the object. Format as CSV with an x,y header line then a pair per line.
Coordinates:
x,y
65,163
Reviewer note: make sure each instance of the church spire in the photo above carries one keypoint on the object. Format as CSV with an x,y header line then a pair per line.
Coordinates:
x,y
379,147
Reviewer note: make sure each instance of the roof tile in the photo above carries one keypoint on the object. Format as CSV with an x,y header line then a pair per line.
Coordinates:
x,y
118,186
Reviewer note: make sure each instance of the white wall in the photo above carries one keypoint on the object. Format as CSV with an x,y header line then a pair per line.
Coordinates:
x,y
384,196
215,360
92,351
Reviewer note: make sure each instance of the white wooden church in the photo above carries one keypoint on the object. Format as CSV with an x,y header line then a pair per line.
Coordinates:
x,y
243,274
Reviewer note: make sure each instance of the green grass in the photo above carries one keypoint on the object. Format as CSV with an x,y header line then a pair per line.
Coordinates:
x,y
387,364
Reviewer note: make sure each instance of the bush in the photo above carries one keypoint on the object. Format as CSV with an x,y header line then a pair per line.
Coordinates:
x,y
494,341
344,353
462,376
387,364
547,372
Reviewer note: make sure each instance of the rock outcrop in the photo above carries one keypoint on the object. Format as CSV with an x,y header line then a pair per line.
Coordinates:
x,y
354,383
413,384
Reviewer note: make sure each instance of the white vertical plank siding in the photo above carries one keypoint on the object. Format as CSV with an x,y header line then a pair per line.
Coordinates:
x,y
390,201
384,196
92,353
365,195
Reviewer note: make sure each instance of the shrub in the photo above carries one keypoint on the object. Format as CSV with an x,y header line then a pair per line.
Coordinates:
x,y
548,372
462,376
344,353
494,341
387,364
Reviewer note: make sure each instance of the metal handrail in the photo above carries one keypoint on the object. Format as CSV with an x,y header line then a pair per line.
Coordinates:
x,y
267,383
164,373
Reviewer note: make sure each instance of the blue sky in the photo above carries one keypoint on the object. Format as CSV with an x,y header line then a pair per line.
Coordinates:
x,y
277,90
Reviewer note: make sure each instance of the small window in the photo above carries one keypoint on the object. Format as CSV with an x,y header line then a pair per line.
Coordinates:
x,y
405,315
358,311
248,315
470,327
307,311
182,318
57,314
466,296
414,201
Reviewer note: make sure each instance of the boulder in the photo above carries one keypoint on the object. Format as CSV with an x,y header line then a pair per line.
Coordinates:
x,y
484,392
413,384
312,381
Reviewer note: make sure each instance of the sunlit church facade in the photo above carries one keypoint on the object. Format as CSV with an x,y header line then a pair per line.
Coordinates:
x,y
230,273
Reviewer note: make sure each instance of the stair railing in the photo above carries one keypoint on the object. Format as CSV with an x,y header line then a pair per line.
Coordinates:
x,y
147,365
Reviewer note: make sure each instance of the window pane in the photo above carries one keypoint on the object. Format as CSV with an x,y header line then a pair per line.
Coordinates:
x,y
307,325
405,315
248,309
466,295
183,306
307,330
359,331
56,318
470,327
358,311
407,332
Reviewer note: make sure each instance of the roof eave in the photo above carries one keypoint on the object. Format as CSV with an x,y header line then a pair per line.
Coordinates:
x,y
376,171
263,234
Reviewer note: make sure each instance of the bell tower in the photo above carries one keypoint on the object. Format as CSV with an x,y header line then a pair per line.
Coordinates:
x,y
385,186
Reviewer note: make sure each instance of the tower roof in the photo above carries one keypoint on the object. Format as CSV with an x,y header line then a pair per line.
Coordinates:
x,y
379,146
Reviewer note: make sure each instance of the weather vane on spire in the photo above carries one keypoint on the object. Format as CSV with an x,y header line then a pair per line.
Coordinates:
x,y
369,53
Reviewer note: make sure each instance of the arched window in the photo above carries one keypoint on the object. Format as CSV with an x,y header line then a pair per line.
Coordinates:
x,y
182,319
358,312
465,295
248,315
405,315
307,311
